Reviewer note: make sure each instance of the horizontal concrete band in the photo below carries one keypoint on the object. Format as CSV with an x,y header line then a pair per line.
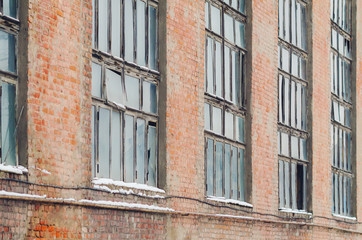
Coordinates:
x,y
178,213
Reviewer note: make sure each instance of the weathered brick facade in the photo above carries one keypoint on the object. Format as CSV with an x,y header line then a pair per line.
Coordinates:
x,y
55,87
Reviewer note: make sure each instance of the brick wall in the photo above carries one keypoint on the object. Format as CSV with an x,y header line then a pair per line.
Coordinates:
x,y
58,115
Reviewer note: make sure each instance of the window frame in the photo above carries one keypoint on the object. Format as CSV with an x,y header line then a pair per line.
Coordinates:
x,y
124,68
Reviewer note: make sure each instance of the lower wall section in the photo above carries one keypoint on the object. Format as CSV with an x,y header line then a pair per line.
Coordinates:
x,y
39,220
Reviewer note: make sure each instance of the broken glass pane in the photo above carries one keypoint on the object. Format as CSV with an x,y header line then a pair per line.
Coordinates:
x,y
116,146
128,148
116,28
141,33
152,156
140,152
132,91
7,52
104,144
96,80
128,30
114,87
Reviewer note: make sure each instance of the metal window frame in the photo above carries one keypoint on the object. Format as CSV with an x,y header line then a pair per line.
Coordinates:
x,y
238,109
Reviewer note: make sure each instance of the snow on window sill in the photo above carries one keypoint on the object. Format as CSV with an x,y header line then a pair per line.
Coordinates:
x,y
13,169
86,201
344,217
232,201
100,183
296,211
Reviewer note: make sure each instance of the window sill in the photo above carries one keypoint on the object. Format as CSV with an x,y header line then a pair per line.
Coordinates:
x,y
295,211
344,217
124,188
231,201
13,169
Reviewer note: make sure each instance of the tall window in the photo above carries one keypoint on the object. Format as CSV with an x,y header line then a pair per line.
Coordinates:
x,y
9,29
341,130
224,99
125,82
292,123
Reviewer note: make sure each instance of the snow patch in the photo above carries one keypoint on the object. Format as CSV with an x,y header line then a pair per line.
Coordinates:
x,y
232,201
126,192
345,217
119,105
127,205
5,193
106,181
289,210
233,216
13,169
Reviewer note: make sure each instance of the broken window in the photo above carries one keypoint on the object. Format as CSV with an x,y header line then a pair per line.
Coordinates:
x,y
292,121
343,176
9,29
224,108
125,95
128,30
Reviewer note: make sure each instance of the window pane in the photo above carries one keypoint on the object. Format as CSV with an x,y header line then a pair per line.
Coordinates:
x,y
149,97
94,23
7,52
294,147
216,120
294,185
285,144
215,19
218,72
299,106
227,73
128,30
210,167
94,150
152,38
287,184
240,34
241,174
239,131
235,75
210,68
207,116
299,26
8,138
114,87
128,149
285,59
96,80
293,108
281,185
104,144
103,25
234,173
286,100
116,27
229,125
227,171
207,24
132,90
140,174
303,149
229,27
116,146
152,156
281,99
304,111
219,169
286,20
242,6
141,33
281,18
294,22
10,8
304,28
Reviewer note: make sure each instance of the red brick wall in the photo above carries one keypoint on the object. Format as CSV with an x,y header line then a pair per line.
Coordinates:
x,y
59,134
